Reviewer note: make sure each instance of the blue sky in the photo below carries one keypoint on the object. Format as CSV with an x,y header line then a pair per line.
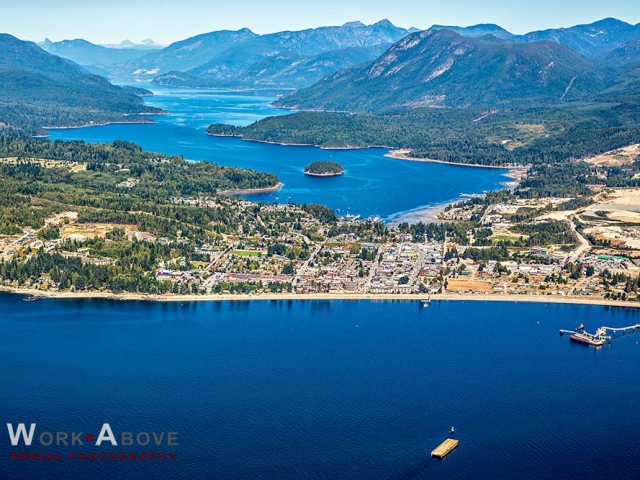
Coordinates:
x,y
110,21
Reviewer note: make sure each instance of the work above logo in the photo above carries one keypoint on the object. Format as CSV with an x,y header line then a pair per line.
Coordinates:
x,y
21,436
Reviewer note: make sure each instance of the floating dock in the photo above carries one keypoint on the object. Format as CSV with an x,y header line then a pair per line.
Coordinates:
x,y
445,448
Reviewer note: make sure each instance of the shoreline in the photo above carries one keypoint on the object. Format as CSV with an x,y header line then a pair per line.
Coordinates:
x,y
412,297
284,144
424,214
140,121
251,191
517,172
324,174
230,89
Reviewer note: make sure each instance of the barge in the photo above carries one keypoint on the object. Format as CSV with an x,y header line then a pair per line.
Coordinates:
x,y
588,339
445,448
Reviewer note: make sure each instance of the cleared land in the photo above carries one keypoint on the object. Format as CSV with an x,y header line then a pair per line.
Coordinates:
x,y
93,230
616,158
464,285
74,167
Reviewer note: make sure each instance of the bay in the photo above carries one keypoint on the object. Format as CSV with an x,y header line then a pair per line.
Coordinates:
x,y
323,389
372,185
318,389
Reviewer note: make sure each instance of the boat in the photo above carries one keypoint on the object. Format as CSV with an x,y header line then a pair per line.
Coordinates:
x,y
453,430
588,339
580,327
426,302
30,299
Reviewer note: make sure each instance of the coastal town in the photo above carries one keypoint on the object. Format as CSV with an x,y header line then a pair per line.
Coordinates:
x,y
476,248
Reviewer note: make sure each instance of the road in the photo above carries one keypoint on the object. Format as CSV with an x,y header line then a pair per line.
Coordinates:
x,y
305,265
372,271
584,244
417,267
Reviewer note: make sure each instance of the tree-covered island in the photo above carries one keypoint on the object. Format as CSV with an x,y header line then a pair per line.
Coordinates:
x,y
323,169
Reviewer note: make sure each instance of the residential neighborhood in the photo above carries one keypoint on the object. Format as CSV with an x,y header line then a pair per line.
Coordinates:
x,y
281,248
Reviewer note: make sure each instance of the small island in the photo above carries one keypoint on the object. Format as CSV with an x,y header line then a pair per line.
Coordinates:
x,y
323,169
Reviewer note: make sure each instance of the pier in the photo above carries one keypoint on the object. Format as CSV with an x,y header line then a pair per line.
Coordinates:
x,y
603,334
445,448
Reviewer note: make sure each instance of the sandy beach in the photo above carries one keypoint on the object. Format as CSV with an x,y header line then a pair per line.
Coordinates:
x,y
517,173
321,296
424,215
430,214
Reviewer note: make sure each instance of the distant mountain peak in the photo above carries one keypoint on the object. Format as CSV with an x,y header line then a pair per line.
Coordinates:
x,y
610,21
356,24
588,39
491,26
479,30
384,23
146,44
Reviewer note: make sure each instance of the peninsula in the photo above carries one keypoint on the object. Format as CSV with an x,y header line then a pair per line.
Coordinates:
x,y
103,220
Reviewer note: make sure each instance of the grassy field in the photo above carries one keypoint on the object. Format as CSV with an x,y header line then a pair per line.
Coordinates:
x,y
500,238
246,253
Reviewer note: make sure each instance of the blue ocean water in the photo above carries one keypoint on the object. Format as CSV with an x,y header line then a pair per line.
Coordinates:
x,y
373,185
324,389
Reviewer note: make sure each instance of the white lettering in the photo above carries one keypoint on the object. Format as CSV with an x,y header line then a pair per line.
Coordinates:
x,y
106,434
21,432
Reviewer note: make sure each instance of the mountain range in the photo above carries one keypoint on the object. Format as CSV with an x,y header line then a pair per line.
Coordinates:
x,y
281,70
297,59
240,58
353,67
184,55
39,85
283,59
442,68
86,53
591,39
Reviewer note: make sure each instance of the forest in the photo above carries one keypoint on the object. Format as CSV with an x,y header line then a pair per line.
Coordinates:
x,y
533,136
88,178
